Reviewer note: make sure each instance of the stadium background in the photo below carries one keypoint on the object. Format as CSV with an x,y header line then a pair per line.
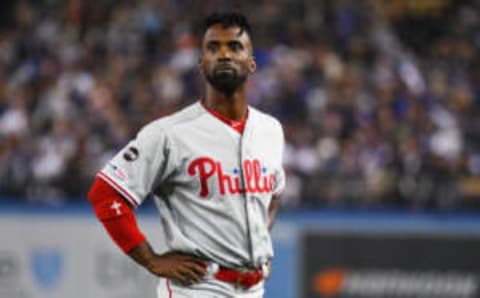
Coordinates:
x,y
379,100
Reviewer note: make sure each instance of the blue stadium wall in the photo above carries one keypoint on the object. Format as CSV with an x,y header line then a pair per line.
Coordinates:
x,y
64,252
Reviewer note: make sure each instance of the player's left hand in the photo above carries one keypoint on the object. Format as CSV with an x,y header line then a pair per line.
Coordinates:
x,y
182,267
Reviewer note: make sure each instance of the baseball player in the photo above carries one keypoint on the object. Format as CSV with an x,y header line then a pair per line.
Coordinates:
x,y
215,172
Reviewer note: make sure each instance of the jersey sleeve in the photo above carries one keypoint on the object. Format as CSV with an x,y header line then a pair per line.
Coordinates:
x,y
141,165
280,177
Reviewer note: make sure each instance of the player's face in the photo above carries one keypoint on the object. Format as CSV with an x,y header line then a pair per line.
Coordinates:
x,y
226,59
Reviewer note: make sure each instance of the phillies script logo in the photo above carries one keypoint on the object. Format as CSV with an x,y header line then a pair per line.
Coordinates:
x,y
256,179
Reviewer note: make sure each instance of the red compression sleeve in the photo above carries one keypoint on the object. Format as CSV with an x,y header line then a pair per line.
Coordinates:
x,y
116,215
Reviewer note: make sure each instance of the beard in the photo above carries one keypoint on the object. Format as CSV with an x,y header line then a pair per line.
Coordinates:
x,y
226,82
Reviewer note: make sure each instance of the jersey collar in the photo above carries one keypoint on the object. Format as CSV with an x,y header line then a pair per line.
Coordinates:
x,y
237,125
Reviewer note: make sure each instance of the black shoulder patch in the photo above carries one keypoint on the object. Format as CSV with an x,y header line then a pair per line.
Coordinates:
x,y
131,154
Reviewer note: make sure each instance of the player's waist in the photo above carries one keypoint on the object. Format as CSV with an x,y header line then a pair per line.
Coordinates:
x,y
240,277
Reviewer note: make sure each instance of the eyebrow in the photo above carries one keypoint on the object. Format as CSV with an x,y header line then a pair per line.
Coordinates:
x,y
213,42
229,42
235,42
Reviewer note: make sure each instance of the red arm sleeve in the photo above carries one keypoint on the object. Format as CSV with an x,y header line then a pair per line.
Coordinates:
x,y
116,215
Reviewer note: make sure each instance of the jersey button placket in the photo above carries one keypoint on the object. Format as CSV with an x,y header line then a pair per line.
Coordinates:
x,y
244,155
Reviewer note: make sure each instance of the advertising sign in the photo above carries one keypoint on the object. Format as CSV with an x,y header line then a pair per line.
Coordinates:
x,y
389,265
62,256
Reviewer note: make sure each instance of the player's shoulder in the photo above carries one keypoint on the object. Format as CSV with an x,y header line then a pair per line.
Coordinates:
x,y
266,120
166,123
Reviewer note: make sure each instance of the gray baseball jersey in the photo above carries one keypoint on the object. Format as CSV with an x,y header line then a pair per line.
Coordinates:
x,y
211,184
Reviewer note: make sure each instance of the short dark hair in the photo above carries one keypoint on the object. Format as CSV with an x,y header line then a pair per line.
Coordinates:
x,y
228,19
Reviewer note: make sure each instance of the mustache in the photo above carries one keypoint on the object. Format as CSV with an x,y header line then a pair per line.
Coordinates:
x,y
224,62
224,65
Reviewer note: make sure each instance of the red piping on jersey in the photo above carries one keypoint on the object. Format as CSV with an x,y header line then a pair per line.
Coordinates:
x,y
169,289
124,192
116,215
237,125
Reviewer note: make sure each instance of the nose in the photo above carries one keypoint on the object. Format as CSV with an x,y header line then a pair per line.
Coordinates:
x,y
224,54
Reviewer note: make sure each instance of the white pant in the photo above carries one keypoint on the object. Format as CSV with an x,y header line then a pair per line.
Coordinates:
x,y
209,288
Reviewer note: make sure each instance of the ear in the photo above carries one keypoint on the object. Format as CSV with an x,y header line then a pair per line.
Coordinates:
x,y
252,64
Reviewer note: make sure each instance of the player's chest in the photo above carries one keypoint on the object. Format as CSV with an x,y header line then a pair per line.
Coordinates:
x,y
225,165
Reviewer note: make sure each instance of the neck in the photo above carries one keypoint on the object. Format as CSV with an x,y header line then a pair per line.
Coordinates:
x,y
233,107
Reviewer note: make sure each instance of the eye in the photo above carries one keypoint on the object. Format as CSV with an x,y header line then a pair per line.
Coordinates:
x,y
213,46
235,46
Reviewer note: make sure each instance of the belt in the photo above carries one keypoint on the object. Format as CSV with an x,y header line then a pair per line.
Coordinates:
x,y
244,279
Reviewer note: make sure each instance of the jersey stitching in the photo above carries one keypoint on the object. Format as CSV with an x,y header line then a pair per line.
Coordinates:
x,y
169,289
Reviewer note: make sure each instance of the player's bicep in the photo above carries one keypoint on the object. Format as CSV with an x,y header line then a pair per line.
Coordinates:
x,y
106,201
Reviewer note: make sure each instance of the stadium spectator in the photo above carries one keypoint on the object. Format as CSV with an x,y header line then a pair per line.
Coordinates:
x,y
379,99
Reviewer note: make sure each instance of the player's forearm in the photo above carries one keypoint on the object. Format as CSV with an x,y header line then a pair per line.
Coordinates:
x,y
143,254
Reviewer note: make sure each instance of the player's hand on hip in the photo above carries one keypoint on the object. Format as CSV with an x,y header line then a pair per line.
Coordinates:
x,y
185,268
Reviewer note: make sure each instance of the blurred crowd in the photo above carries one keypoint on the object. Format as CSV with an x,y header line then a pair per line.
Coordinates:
x,y
380,100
